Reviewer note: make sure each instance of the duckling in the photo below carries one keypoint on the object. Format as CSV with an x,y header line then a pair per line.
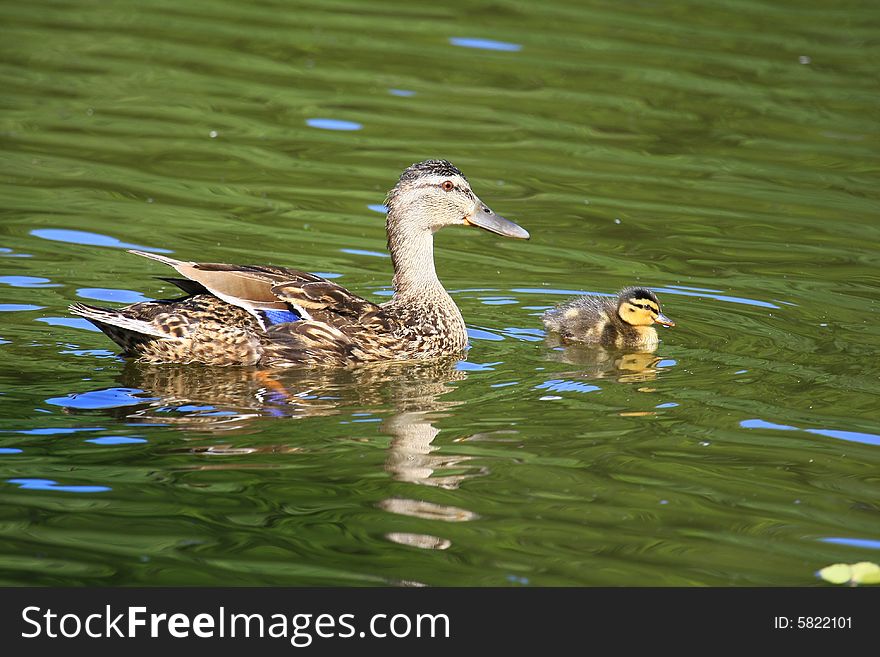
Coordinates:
x,y
624,322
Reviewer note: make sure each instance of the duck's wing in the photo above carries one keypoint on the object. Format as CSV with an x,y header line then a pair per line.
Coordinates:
x,y
271,293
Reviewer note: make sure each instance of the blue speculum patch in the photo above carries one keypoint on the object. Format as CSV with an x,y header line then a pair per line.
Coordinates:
x,y
280,316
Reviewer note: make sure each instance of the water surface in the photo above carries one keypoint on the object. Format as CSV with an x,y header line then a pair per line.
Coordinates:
x,y
723,154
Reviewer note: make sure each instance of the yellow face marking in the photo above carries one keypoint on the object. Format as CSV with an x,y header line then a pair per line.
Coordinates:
x,y
638,312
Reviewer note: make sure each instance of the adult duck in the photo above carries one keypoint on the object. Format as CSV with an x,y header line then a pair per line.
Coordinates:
x,y
255,314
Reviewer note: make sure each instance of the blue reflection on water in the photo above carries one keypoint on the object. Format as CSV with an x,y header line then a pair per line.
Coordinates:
x,y
108,398
52,431
717,297
406,93
695,289
115,440
761,424
327,274
92,239
525,334
27,281
560,385
484,44
364,252
480,334
679,290
10,450
9,253
849,436
18,307
378,207
333,124
110,294
49,484
72,322
467,366
96,353
854,542
550,290
666,405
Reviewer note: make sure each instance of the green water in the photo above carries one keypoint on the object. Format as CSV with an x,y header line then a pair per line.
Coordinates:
x,y
725,154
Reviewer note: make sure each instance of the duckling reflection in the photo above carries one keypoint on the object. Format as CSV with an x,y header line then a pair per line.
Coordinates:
x,y
596,362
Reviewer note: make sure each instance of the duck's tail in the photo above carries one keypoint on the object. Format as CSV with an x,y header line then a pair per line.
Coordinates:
x,y
123,330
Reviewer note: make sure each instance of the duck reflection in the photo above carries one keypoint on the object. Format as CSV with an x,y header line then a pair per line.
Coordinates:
x,y
226,401
596,362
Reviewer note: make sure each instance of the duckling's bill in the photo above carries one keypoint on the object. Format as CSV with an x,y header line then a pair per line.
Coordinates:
x,y
664,320
483,217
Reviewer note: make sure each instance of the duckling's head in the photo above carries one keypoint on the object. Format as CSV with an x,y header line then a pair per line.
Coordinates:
x,y
640,307
433,194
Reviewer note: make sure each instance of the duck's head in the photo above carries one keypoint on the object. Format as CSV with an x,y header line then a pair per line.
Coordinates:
x,y
433,194
640,307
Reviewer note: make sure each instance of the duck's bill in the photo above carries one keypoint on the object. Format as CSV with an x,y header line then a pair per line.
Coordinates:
x,y
663,319
484,218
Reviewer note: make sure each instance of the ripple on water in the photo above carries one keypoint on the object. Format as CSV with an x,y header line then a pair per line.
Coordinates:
x,y
52,485
94,353
18,307
484,44
467,366
9,253
52,431
524,334
71,322
849,436
498,301
90,239
562,385
116,440
107,398
110,294
27,281
853,542
671,289
717,297
364,252
481,334
333,124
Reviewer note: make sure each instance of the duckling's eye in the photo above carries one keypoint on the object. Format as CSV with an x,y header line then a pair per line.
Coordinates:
x,y
447,186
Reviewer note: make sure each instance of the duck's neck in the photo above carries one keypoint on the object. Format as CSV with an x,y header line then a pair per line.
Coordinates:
x,y
412,255
420,300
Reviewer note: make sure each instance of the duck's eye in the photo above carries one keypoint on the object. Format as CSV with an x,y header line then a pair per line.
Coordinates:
x,y
448,185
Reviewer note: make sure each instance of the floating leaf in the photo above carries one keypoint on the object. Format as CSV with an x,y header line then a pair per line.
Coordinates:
x,y
864,572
